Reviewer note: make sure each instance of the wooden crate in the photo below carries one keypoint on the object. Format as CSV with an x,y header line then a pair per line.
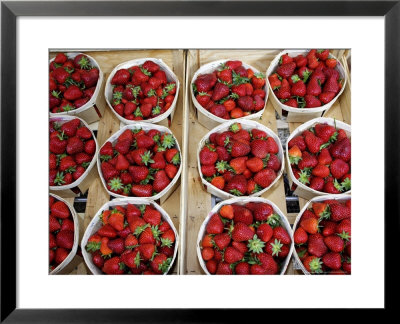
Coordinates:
x,y
109,124
197,204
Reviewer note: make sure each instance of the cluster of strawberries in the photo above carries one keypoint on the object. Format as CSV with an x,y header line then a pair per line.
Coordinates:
x,y
140,163
72,148
132,240
320,158
244,240
306,81
72,82
61,228
323,238
231,91
240,162
142,92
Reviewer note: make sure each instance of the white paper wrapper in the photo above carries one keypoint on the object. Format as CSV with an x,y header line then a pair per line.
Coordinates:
x,y
242,201
146,127
71,254
305,112
246,124
62,120
171,77
340,198
302,190
96,224
92,100
208,119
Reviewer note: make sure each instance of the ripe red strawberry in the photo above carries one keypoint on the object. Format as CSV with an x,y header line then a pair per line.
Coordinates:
x,y
281,234
310,225
240,149
57,144
332,260
284,91
316,245
237,185
224,269
242,247
121,77
142,190
238,164
300,236
286,70
255,164
298,88
205,82
60,210
260,148
317,183
52,241
73,93
138,173
246,103
113,266
324,157
65,239
161,181
215,225
242,215
297,141
242,268
330,187
61,255
341,149
272,146
339,212
334,243
265,177
331,85
123,146
207,253
70,127
232,255
107,231
208,155
312,101
313,142
108,171
67,225
222,240
268,263
262,211
344,228
211,266
339,168
265,232
152,216
160,263
241,232
147,251
326,97
220,91
313,264
321,171
171,170
54,224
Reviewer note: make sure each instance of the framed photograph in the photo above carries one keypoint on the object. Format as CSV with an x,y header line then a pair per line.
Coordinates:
x,y
150,171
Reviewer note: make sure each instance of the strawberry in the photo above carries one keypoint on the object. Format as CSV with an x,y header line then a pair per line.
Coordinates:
x,y
60,255
272,146
160,263
113,266
161,181
222,241
300,236
232,255
334,243
313,142
313,264
57,144
341,149
207,253
343,229
274,81
224,269
322,54
220,91
264,232
215,225
240,149
321,171
286,70
262,211
330,187
242,268
331,85
332,260
70,128
208,155
152,216
339,212
142,190
60,210
265,177
237,185
326,97
116,220
312,101
65,239
225,75
241,232
297,141
339,168
121,77
260,148
211,266
205,82
310,225
246,103
238,164
107,231
281,234
117,245
147,251
68,225
299,88
324,157
284,91
242,215
316,245
54,224
268,263
73,93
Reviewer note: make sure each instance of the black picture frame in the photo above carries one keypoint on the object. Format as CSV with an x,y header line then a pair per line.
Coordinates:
x,y
10,11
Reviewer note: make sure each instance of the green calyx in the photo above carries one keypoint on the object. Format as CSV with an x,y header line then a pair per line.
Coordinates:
x,y
255,245
147,180
85,164
259,75
151,93
68,107
304,177
166,242
274,220
295,78
146,158
168,141
144,71
324,145
56,94
194,88
337,185
276,247
127,188
156,110
236,192
104,158
84,63
295,159
222,166
156,232
302,252
326,214
237,79
333,138
344,236
138,112
234,128
140,229
117,97
165,265
142,209
137,260
316,265
136,91
306,75
257,188
346,184
59,180
115,184
176,159
93,246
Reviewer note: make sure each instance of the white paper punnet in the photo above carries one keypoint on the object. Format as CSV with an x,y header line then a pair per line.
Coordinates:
x,y
209,120
340,198
242,201
96,224
146,127
302,190
62,120
92,100
246,124
171,77
72,253
303,113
